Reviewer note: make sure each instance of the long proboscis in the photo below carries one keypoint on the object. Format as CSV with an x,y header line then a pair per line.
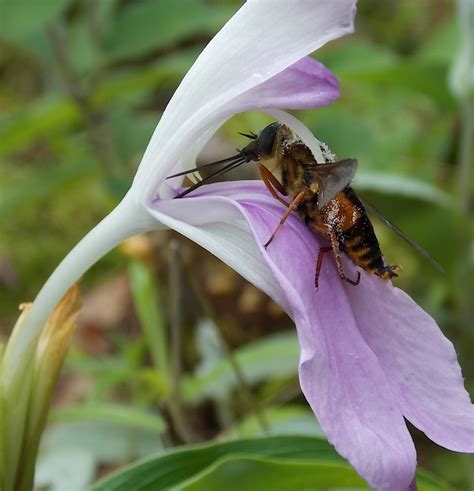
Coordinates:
x,y
227,168
205,166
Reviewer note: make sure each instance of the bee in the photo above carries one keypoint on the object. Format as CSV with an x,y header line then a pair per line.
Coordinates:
x,y
319,193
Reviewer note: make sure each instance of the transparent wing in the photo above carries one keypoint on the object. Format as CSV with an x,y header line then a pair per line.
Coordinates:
x,y
414,244
332,178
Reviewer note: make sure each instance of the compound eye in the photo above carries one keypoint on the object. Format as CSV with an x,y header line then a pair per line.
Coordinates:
x,y
266,139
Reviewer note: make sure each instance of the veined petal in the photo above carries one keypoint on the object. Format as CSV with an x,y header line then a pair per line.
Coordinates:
x,y
262,39
340,376
220,228
420,363
305,84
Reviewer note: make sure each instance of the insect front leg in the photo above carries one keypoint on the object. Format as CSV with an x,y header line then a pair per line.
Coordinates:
x,y
327,231
272,184
291,207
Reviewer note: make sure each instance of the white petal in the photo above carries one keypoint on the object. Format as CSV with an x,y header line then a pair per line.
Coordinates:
x,y
220,228
262,39
301,130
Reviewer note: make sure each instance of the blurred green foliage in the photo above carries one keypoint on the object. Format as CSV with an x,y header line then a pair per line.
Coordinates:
x,y
82,85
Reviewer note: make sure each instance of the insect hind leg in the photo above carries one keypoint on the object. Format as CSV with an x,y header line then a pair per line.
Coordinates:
x,y
334,247
389,272
319,263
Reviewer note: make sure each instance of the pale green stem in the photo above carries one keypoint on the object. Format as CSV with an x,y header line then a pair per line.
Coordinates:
x,y
128,219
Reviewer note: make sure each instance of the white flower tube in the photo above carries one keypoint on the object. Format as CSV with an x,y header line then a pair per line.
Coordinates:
x,y
247,65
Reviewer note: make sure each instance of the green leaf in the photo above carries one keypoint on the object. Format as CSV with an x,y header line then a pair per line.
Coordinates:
x,y
50,472
135,84
255,474
132,131
248,464
20,18
285,420
428,78
273,357
387,183
43,118
358,54
108,443
171,468
428,482
52,116
143,26
110,413
28,190
146,301
442,46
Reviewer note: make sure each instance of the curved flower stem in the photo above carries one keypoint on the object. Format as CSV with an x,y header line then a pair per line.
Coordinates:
x,y
127,219
245,389
183,430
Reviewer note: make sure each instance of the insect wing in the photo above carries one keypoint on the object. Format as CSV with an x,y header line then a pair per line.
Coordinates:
x,y
332,178
407,239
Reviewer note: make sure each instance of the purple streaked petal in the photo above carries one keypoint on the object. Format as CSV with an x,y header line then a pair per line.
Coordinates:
x,y
220,228
340,376
305,84
420,363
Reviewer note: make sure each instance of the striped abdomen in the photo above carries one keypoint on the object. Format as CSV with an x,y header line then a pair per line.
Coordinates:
x,y
346,215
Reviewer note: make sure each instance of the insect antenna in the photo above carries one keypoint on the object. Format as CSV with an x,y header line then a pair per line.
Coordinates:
x,y
211,164
227,168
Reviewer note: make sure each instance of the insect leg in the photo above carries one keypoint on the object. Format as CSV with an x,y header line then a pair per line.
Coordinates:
x,y
291,207
272,184
319,263
328,232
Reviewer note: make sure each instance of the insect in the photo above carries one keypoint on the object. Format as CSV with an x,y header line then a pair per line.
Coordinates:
x,y
320,194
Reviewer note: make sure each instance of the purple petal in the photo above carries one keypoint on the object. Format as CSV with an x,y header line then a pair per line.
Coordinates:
x,y
420,363
340,376
306,84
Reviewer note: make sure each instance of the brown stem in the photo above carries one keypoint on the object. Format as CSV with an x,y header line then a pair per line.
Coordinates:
x,y
97,131
245,388
175,318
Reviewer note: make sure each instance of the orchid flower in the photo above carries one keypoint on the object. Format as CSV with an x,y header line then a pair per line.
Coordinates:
x,y
370,357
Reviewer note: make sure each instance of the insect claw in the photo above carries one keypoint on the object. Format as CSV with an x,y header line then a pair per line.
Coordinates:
x,y
358,278
396,268
268,242
352,282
